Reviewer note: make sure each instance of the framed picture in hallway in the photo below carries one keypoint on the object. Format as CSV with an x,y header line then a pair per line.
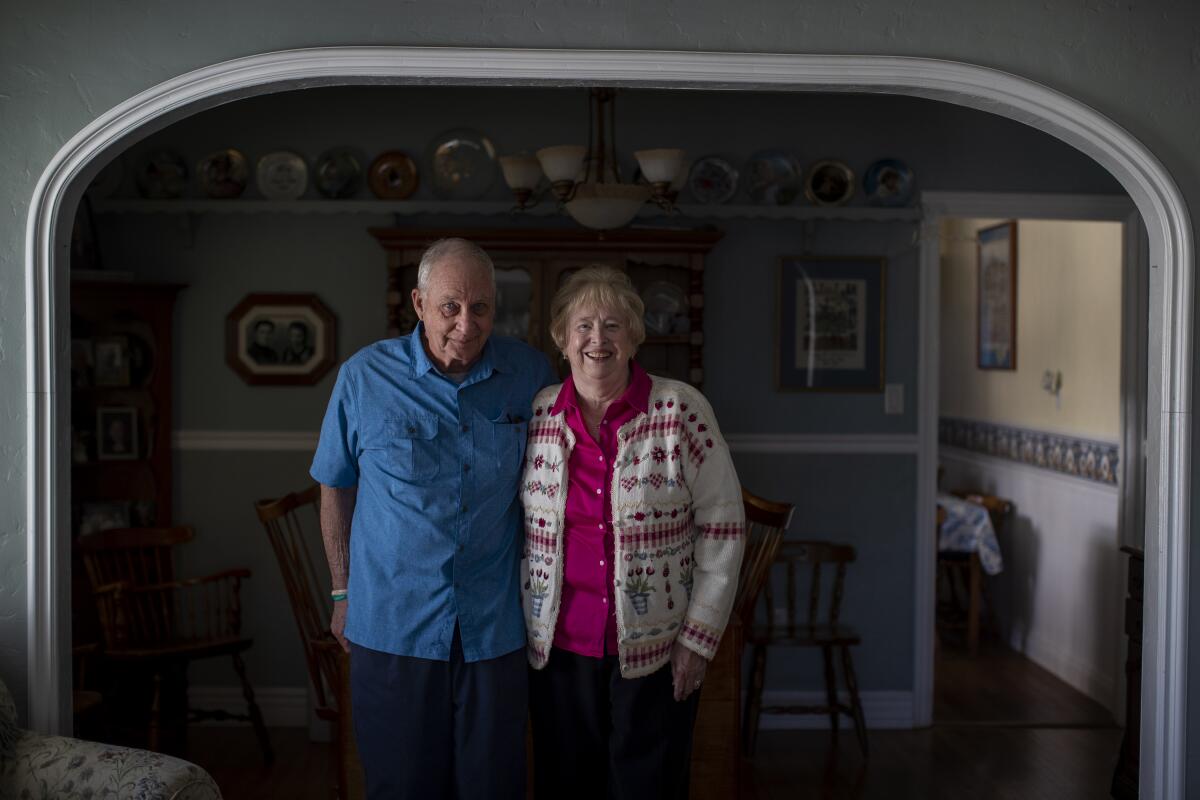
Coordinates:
x,y
280,339
830,323
997,300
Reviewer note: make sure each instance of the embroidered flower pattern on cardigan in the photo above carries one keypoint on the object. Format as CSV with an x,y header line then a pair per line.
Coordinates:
x,y
675,502
541,487
654,479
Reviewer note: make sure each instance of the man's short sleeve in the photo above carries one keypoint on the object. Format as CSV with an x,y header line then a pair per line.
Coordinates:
x,y
336,461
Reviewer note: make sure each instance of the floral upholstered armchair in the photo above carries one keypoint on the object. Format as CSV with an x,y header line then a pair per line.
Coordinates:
x,y
36,767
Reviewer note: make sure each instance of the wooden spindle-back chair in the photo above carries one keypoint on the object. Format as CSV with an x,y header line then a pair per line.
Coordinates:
x,y
766,522
818,625
148,617
293,526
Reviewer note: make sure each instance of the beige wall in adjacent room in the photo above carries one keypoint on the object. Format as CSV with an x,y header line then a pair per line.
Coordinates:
x,y
1068,320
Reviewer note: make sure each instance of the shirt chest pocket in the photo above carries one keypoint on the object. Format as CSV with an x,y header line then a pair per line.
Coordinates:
x,y
406,445
508,443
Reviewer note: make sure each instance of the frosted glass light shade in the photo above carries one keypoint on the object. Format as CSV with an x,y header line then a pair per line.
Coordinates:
x,y
521,172
604,206
661,165
563,162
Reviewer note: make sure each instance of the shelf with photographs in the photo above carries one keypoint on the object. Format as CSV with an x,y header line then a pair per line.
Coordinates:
x,y
681,213
120,404
665,266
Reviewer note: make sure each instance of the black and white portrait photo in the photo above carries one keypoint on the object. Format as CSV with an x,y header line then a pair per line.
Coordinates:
x,y
280,339
116,433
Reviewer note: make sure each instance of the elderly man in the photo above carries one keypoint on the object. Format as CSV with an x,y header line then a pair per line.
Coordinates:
x,y
419,460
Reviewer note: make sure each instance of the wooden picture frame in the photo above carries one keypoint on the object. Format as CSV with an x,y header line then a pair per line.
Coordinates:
x,y
117,433
281,339
829,332
110,365
996,297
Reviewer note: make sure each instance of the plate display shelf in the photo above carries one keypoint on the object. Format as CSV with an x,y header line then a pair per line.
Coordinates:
x,y
682,213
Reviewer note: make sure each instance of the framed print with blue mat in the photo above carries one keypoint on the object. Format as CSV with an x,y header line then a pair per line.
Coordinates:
x,y
830,323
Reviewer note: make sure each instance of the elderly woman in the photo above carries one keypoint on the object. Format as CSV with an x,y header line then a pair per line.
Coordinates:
x,y
633,539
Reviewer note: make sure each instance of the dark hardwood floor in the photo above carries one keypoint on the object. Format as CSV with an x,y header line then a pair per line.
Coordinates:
x,y
979,763
1006,729
1002,687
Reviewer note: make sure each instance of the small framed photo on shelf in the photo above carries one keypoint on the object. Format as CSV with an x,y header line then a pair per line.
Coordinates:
x,y
111,366
830,324
281,339
997,299
116,433
83,362
97,517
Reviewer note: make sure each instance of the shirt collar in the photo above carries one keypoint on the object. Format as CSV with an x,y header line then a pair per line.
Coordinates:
x,y
488,361
636,394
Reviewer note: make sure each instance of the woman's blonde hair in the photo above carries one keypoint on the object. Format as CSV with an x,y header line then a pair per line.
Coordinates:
x,y
601,287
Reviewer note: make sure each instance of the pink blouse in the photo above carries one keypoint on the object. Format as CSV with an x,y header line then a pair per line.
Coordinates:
x,y
587,622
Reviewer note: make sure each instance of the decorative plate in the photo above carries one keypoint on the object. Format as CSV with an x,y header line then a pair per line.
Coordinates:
x,y
223,174
392,176
889,182
664,302
162,175
462,164
281,176
337,173
109,180
773,177
712,180
829,183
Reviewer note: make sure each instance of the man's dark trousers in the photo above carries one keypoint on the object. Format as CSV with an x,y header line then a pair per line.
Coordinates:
x,y
440,729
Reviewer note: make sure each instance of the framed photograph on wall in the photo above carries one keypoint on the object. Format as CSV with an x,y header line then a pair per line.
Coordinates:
x,y
280,339
997,300
830,323
110,366
116,433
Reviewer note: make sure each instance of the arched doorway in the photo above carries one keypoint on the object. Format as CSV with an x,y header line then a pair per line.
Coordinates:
x,y
1152,189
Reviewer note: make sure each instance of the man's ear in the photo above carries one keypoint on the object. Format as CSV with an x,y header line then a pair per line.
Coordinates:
x,y
418,304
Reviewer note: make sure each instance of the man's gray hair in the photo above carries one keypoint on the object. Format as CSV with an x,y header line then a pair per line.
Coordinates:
x,y
452,247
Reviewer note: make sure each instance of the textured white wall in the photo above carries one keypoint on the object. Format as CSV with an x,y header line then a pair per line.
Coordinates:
x,y
1060,597
1068,320
62,64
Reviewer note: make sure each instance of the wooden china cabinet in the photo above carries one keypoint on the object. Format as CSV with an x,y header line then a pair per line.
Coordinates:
x,y
120,416
667,268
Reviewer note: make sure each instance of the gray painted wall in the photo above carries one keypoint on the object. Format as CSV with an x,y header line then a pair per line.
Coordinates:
x,y
63,64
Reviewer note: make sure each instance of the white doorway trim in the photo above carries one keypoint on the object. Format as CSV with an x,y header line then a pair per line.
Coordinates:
x,y
938,206
1154,192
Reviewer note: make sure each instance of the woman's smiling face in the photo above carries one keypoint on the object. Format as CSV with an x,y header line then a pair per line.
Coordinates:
x,y
599,344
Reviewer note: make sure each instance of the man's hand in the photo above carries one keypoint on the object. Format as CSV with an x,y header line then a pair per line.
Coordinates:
x,y
687,670
337,624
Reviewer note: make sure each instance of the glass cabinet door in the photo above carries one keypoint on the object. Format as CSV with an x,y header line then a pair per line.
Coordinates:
x,y
517,304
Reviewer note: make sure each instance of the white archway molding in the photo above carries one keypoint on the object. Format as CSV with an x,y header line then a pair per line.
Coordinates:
x,y
1143,177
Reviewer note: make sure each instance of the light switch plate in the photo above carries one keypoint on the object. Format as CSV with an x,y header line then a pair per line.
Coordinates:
x,y
893,398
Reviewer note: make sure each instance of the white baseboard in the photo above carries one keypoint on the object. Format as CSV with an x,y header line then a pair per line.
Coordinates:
x,y
281,706
882,710
1081,674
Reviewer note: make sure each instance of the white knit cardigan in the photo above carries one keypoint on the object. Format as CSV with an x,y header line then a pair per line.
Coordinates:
x,y
678,527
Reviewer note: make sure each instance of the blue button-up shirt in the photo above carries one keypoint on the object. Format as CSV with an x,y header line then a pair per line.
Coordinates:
x,y
436,533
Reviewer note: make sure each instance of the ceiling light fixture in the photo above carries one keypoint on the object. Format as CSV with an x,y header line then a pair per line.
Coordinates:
x,y
586,181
